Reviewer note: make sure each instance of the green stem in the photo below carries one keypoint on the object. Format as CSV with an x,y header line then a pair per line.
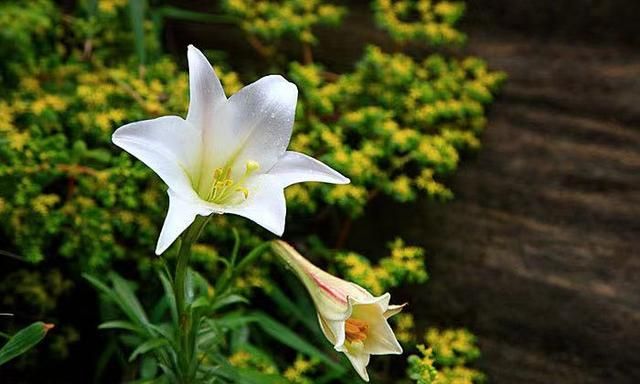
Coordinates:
x,y
188,238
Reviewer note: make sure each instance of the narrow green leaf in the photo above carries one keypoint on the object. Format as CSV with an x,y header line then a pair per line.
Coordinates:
x,y
23,341
185,14
291,339
133,308
200,302
148,346
293,309
229,299
279,332
119,324
136,14
236,246
169,295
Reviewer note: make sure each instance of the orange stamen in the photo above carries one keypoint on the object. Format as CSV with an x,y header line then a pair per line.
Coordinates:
x,y
356,330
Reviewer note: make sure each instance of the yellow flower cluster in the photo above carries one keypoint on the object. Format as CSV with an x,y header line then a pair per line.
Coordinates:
x,y
438,365
296,373
404,328
111,6
421,368
274,20
452,346
404,265
246,359
421,20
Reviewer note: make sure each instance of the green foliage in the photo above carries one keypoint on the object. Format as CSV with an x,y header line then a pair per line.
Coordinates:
x,y
220,328
421,20
23,340
28,33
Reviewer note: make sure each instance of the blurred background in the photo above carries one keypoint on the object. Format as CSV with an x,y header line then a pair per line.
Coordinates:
x,y
535,250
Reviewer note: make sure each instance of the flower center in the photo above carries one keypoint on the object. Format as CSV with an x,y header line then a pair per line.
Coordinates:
x,y
356,330
225,188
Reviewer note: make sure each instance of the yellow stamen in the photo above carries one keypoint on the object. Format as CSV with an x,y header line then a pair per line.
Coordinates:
x,y
224,187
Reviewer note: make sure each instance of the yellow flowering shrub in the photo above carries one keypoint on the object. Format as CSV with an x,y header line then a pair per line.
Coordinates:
x,y
447,358
405,265
432,21
266,22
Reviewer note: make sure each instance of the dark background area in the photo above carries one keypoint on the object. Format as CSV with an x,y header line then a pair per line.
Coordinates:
x,y
537,254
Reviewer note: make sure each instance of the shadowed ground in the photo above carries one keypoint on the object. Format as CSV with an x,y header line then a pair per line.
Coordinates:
x,y
538,253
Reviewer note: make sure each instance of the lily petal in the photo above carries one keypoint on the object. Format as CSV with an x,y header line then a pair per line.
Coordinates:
x,y
180,215
168,145
381,340
205,89
265,204
333,330
394,310
295,167
360,362
255,124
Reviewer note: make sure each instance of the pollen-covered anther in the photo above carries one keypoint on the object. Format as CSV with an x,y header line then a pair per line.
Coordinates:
x,y
356,330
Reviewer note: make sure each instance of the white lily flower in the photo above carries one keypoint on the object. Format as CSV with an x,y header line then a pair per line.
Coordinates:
x,y
350,317
229,155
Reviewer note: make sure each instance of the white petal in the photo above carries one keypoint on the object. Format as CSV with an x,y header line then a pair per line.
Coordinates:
x,y
334,331
381,339
168,145
394,310
360,362
205,90
265,204
255,124
295,167
181,214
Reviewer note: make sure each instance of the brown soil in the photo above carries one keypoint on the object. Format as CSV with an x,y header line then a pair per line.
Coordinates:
x,y
538,253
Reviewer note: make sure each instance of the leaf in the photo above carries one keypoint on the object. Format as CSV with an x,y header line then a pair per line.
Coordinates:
x,y
136,14
291,339
169,295
279,332
23,341
148,346
128,299
230,299
119,324
293,309
200,302
188,15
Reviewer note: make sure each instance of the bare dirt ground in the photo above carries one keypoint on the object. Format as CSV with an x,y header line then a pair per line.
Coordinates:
x,y
538,253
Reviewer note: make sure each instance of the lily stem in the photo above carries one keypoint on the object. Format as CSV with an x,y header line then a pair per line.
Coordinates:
x,y
180,290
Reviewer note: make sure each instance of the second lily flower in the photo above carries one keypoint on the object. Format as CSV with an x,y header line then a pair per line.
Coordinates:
x,y
350,317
